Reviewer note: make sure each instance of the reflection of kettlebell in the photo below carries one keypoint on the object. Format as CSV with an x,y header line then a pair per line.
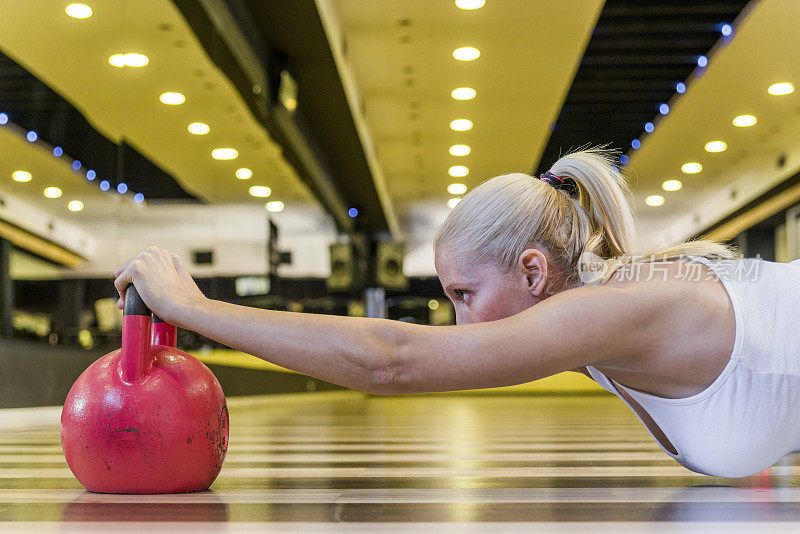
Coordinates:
x,y
145,419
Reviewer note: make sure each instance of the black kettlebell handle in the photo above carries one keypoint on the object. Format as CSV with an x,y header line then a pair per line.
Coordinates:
x,y
134,305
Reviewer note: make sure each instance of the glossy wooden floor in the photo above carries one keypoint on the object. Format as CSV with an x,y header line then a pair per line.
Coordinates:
x,y
345,462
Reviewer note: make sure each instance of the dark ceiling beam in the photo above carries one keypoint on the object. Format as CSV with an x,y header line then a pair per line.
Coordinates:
x,y
295,29
632,97
631,26
253,42
682,9
636,58
638,52
668,43
227,32
32,105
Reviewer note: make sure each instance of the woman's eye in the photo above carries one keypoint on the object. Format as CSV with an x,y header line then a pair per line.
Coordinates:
x,y
460,293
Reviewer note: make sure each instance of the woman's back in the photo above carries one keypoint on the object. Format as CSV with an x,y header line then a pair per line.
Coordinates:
x,y
751,410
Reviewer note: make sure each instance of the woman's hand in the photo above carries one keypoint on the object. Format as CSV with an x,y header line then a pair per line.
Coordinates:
x,y
161,279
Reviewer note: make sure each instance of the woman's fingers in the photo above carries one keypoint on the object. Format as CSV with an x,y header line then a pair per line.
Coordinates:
x,y
122,268
184,275
123,279
153,268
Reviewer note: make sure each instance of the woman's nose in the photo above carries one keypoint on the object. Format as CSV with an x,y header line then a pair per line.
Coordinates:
x,y
461,319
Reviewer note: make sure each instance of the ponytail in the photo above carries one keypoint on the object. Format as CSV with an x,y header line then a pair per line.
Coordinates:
x,y
503,216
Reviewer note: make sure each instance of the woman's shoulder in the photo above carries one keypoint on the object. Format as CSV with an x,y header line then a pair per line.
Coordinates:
x,y
659,271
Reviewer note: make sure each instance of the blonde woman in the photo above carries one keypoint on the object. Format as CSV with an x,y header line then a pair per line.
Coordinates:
x,y
704,348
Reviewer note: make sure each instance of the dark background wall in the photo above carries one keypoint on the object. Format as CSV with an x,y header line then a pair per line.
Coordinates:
x,y
36,374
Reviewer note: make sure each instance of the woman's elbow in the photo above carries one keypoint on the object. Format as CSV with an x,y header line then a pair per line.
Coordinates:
x,y
390,369
384,382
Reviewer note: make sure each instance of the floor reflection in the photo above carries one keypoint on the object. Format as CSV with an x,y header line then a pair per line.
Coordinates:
x,y
198,506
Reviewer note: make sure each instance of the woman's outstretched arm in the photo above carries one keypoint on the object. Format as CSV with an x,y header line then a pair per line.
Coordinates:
x,y
568,330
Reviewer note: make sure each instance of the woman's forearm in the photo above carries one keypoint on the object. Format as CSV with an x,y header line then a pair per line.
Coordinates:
x,y
357,353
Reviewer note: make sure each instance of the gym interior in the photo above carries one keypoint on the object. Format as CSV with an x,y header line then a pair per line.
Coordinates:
x,y
299,155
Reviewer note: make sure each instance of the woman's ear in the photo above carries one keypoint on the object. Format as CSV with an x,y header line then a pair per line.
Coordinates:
x,y
533,264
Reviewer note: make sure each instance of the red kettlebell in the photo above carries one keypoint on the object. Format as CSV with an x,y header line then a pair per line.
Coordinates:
x,y
145,419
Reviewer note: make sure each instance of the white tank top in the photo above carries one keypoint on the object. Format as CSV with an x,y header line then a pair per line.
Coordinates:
x,y
749,417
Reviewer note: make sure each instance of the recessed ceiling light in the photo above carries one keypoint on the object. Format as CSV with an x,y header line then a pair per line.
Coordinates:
x,y
52,192
244,173
75,205
457,171
129,60
274,206
78,11
453,202
461,125
716,146
433,304
783,88
456,189
136,60
224,153
118,60
470,4
672,185
654,200
463,93
744,121
172,99
261,191
460,150
466,53
691,168
21,176
198,128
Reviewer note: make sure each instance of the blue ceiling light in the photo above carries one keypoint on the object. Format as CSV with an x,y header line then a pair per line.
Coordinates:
x,y
636,144
32,137
623,159
726,30
680,87
57,151
122,189
138,198
104,185
649,127
663,109
3,118
352,212
91,175
702,61
76,165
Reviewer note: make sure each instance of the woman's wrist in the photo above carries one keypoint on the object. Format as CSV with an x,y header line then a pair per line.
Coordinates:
x,y
181,310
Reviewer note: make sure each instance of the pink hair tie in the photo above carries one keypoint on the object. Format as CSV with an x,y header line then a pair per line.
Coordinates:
x,y
566,184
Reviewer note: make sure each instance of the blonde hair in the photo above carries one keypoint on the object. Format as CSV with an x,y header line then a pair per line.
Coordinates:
x,y
503,216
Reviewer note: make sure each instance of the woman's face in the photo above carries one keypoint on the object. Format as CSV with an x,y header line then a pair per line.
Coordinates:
x,y
483,293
